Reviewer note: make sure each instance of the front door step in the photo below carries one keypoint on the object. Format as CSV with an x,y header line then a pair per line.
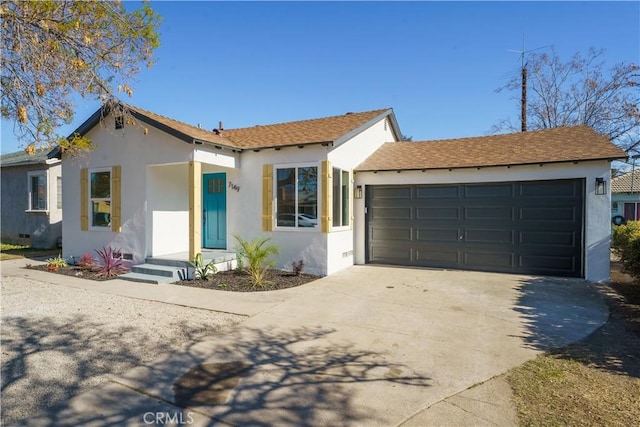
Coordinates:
x,y
165,270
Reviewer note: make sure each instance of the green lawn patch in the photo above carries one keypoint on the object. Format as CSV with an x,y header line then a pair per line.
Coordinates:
x,y
10,251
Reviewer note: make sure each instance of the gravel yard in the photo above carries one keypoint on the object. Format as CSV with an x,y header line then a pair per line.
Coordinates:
x,y
58,341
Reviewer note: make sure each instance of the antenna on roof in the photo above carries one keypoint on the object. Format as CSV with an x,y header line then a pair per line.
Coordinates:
x,y
523,69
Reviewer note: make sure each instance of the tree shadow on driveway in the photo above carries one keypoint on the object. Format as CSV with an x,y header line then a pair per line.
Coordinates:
x,y
251,376
570,319
45,360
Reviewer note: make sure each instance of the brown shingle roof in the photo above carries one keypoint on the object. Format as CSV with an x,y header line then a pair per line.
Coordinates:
x,y
563,144
627,183
326,129
322,130
190,131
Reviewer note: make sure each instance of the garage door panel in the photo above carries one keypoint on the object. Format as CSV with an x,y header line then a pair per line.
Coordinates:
x,y
392,213
489,191
514,227
388,254
437,235
391,233
395,192
489,260
550,189
491,236
441,258
548,238
551,214
439,192
443,213
489,212
546,262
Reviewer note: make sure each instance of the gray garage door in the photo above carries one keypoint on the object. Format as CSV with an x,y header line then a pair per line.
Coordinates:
x,y
512,227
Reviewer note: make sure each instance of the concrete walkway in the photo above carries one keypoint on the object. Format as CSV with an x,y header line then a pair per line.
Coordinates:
x,y
367,346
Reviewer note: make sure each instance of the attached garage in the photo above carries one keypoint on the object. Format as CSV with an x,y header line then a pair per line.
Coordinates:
x,y
523,203
513,227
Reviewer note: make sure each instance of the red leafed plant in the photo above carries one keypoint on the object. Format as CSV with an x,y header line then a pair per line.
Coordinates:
x,y
86,262
109,266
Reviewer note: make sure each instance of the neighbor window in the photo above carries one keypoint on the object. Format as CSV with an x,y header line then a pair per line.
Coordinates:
x,y
297,197
38,191
632,211
100,198
340,197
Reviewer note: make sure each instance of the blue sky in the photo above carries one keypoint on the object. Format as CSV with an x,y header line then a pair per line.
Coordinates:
x,y
437,64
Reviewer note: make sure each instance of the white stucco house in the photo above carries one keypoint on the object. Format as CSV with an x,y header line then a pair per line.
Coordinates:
x,y
343,190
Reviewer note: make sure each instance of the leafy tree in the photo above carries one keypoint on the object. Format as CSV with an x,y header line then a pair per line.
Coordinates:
x,y
52,49
580,92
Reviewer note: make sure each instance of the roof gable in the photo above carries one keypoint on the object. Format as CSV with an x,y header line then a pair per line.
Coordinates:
x,y
564,144
314,131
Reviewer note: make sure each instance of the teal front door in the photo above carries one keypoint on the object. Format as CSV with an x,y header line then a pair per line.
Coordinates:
x,y
214,211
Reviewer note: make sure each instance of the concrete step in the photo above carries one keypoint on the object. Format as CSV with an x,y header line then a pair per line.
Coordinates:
x,y
146,278
160,270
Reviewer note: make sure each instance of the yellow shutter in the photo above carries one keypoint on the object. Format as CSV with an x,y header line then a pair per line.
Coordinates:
x,y
84,199
327,206
350,199
267,198
116,196
195,209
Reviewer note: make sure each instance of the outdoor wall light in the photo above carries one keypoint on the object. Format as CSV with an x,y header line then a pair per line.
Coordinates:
x,y
358,192
601,186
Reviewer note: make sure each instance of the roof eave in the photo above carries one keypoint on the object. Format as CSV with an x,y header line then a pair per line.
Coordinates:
x,y
296,144
610,159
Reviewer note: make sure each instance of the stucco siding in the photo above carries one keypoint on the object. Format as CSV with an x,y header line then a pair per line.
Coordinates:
x,y
597,207
43,228
134,152
245,208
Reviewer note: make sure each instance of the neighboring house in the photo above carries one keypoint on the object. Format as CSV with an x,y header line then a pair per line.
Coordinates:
x,y
343,190
625,197
31,198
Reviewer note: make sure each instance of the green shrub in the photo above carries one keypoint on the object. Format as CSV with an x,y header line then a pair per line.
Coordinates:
x,y
56,262
202,271
257,254
626,244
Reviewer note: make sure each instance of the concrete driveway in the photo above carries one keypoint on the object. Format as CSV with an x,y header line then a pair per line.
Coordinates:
x,y
367,346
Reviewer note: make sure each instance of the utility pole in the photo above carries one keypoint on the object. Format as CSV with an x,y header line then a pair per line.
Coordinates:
x,y
523,70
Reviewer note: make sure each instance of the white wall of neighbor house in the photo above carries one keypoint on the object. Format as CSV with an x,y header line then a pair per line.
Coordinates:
x,y
597,237
133,151
348,155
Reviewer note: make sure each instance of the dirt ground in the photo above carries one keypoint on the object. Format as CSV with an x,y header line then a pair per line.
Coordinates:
x,y
592,382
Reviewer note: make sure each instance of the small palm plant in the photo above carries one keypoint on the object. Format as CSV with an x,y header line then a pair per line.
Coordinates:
x,y
257,254
202,271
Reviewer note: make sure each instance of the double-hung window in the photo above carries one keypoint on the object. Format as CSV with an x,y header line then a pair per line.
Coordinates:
x,y
100,198
297,197
37,190
341,193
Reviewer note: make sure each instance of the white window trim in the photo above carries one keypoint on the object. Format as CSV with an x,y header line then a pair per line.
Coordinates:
x,y
318,227
90,199
333,199
30,175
